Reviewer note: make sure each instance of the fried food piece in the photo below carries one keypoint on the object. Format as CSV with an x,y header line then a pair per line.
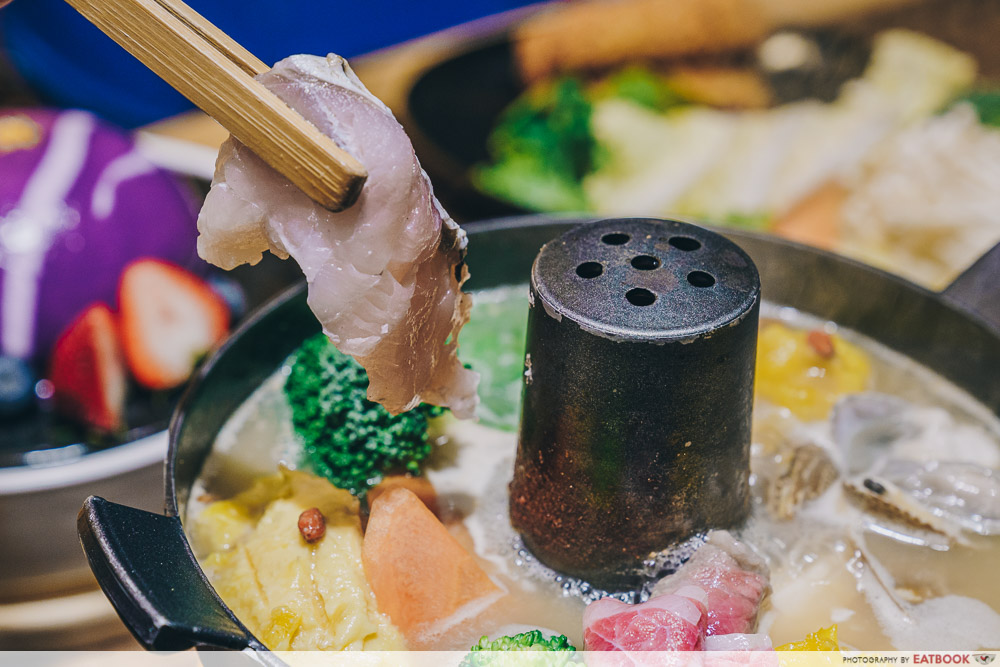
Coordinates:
x,y
720,87
591,34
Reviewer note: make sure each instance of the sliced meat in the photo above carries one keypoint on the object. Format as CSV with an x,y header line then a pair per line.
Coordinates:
x,y
384,275
673,622
733,577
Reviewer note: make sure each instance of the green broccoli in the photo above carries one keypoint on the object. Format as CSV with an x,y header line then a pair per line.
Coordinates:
x,y
541,149
639,85
348,439
752,221
483,654
986,102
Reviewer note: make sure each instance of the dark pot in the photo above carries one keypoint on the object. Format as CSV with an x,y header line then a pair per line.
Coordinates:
x,y
144,563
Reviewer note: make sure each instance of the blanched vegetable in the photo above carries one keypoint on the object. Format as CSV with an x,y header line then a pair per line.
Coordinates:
x,y
639,85
348,439
986,103
653,159
925,202
654,152
541,149
490,653
493,343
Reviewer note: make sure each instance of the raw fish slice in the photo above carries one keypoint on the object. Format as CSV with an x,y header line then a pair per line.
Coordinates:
x,y
674,622
385,275
734,578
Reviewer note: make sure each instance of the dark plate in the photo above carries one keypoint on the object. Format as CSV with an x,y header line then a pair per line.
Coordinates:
x,y
453,106
455,103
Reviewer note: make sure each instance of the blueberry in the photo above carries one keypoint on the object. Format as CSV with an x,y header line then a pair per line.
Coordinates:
x,y
231,292
17,384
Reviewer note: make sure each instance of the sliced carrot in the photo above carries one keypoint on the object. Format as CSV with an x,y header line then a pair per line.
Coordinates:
x,y
816,219
420,574
420,486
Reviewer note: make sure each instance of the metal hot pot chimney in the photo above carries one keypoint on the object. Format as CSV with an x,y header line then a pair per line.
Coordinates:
x,y
638,390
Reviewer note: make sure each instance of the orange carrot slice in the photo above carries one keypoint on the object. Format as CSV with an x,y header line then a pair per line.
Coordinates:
x,y
421,575
816,219
421,486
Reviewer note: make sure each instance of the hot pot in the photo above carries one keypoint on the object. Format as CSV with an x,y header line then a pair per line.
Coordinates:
x,y
145,565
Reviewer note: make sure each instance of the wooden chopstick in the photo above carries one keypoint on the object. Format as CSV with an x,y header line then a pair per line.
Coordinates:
x,y
222,42
216,73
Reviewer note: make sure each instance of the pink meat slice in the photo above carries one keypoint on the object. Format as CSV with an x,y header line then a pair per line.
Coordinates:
x,y
674,622
733,577
384,275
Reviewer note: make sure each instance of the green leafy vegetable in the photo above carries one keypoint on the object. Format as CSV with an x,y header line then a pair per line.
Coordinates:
x,y
542,148
640,85
493,340
348,439
751,221
986,104
487,653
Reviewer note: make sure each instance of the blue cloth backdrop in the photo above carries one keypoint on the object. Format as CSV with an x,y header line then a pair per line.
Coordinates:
x,y
72,64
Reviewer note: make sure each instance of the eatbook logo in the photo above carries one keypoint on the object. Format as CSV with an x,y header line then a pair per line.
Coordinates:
x,y
984,658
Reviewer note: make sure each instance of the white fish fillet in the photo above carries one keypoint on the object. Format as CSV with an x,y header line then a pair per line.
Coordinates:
x,y
385,275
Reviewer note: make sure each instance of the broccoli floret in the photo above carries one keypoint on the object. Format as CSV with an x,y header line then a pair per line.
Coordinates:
x,y
541,148
482,654
986,102
348,439
639,85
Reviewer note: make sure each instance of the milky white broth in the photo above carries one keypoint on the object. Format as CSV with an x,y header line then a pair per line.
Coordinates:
x,y
826,565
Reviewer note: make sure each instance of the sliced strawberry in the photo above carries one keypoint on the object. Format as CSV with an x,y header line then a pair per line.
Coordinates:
x,y
87,370
170,318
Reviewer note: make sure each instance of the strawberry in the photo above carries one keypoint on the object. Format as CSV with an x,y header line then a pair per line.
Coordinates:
x,y
169,318
87,370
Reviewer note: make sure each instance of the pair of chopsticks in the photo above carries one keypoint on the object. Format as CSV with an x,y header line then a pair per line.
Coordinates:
x,y
212,70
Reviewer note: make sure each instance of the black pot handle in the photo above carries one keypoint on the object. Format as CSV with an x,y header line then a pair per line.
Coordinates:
x,y
978,288
145,567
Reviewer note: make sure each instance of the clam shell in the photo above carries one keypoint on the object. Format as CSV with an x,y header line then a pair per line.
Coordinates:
x,y
962,493
882,498
810,472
